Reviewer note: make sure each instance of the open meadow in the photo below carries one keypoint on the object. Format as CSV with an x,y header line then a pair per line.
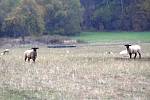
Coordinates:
x,y
114,36
81,73
74,49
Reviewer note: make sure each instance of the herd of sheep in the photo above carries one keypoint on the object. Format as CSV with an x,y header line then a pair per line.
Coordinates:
x,y
32,53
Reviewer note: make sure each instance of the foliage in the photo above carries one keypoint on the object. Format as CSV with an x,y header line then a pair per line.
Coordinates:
x,y
37,17
63,17
117,15
70,17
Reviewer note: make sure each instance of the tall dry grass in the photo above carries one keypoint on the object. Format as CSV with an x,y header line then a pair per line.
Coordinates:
x,y
75,74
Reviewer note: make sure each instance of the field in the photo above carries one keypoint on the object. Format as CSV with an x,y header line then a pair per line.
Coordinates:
x,y
82,73
114,36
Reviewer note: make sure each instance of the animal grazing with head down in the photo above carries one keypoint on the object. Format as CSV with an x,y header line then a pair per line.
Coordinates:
x,y
31,54
6,51
124,53
133,49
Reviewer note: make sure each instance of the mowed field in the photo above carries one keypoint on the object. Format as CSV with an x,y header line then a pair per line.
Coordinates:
x,y
82,73
114,36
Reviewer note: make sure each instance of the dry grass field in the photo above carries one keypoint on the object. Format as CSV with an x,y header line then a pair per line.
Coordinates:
x,y
82,73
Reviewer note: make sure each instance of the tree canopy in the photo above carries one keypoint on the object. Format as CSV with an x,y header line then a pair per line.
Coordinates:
x,y
70,17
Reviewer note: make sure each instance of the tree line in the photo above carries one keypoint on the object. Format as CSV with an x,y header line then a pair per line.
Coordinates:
x,y
116,15
70,17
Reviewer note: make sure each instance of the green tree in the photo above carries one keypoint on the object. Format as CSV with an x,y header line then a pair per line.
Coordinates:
x,y
27,18
6,6
63,17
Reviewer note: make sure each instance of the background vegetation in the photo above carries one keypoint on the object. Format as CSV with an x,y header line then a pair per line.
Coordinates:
x,y
70,17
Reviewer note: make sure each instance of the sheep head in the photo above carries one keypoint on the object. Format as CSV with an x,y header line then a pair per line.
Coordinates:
x,y
127,46
34,49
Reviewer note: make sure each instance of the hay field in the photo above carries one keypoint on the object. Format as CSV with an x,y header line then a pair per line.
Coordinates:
x,y
82,73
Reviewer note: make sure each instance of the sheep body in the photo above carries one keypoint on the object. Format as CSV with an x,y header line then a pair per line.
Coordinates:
x,y
6,51
30,54
2,53
133,49
123,52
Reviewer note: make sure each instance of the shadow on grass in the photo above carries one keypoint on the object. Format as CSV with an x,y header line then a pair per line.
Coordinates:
x,y
128,59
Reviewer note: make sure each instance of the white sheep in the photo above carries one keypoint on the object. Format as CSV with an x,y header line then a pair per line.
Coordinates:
x,y
133,49
6,51
31,54
124,53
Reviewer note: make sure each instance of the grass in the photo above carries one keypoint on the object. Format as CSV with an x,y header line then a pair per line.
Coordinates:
x,y
113,36
81,73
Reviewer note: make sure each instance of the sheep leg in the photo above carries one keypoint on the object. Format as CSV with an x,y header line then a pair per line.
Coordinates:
x,y
28,59
130,55
33,59
25,58
135,55
139,54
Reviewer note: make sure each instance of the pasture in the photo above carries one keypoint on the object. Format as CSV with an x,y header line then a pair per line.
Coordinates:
x,y
114,36
82,73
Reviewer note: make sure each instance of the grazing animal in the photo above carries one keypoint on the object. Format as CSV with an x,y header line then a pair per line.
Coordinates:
x,y
2,53
133,49
124,53
31,54
6,51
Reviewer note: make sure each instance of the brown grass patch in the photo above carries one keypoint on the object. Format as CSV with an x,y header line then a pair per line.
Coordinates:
x,y
75,74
